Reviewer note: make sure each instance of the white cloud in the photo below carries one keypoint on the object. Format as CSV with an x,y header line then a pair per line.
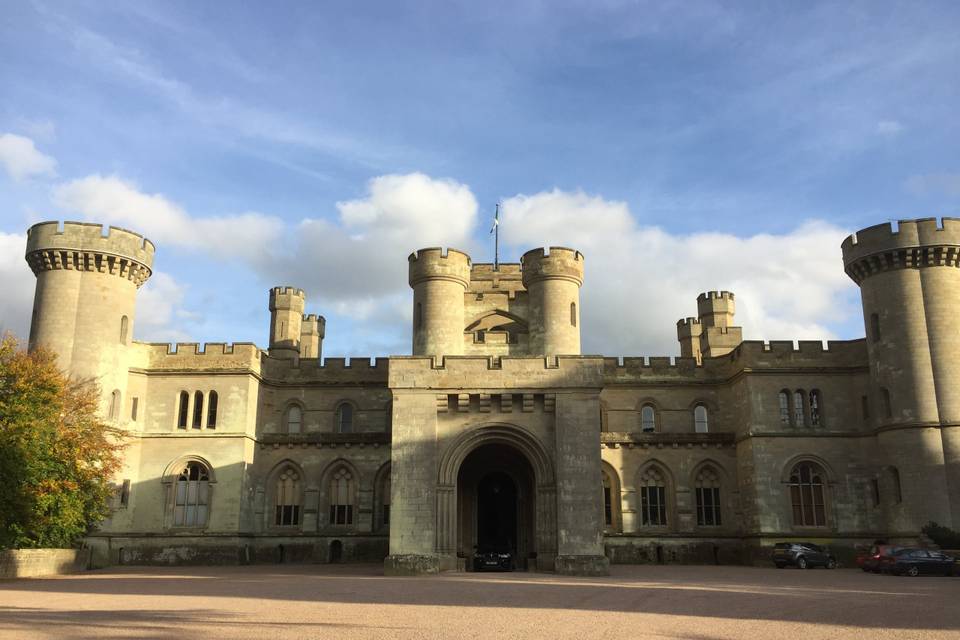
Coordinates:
x,y
935,184
22,160
16,304
159,307
111,200
889,127
640,280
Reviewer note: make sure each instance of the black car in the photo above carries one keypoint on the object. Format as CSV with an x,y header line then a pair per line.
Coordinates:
x,y
493,559
913,562
802,555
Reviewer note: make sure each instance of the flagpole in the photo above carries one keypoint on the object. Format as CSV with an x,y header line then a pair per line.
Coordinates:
x,y
496,241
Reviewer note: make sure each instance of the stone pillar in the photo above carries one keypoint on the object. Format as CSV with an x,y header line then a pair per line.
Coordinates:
x,y
579,520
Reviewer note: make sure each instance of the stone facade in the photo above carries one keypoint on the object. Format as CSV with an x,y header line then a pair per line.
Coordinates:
x,y
497,433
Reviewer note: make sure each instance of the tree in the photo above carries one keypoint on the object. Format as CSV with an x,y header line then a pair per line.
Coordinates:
x,y
57,457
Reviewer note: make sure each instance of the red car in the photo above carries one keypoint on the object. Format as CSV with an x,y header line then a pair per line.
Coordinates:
x,y
880,558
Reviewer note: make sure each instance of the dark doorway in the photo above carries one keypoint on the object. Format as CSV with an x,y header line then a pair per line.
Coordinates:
x,y
497,512
336,551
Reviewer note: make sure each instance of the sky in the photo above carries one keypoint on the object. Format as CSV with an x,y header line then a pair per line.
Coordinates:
x,y
682,146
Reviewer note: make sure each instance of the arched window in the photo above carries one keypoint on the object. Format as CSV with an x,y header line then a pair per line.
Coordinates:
x,y
875,327
192,496
183,410
115,405
341,497
887,404
573,314
294,421
287,507
799,409
700,422
648,419
815,415
212,400
807,491
707,485
653,498
124,328
784,400
897,491
197,409
345,418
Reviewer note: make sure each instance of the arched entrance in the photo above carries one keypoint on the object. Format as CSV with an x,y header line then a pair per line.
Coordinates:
x,y
496,504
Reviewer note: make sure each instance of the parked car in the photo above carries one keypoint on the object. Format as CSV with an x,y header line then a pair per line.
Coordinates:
x,y
493,559
802,555
880,558
914,562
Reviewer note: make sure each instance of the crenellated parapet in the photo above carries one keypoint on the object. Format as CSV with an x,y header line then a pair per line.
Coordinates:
x,y
560,263
926,242
193,356
435,263
491,373
82,246
716,308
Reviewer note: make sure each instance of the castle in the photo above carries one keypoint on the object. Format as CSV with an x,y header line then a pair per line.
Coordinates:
x,y
497,433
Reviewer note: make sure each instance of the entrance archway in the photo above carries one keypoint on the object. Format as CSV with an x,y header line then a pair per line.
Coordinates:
x,y
496,503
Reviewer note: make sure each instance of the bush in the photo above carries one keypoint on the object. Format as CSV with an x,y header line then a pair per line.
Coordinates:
x,y
944,537
57,457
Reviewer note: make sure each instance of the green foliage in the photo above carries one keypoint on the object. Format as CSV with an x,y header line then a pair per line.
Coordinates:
x,y
944,537
56,456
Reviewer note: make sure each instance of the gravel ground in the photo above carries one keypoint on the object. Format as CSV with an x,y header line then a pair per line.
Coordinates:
x,y
350,601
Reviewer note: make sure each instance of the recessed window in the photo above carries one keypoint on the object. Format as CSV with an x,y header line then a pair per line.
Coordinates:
x,y
212,400
341,497
134,407
573,314
115,405
783,399
875,327
700,419
707,486
897,491
125,494
294,419
799,409
653,498
887,404
192,496
183,410
345,418
648,419
807,489
875,491
124,329
287,507
815,413
197,409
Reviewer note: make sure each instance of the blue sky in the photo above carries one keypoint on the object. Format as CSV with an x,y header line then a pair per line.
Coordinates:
x,y
683,146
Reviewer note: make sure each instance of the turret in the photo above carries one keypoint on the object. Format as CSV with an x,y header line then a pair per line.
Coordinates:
x,y
718,335
286,320
439,280
312,331
84,305
553,283
910,290
688,333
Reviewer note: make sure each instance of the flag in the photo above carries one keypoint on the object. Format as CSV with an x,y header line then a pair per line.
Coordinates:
x,y
496,220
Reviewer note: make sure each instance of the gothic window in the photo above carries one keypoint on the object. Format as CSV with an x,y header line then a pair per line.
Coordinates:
x,y
799,409
875,327
784,400
707,486
183,409
124,328
807,495
115,405
191,503
648,419
212,400
287,506
345,418
700,419
341,497
887,405
573,314
816,417
294,420
653,498
197,409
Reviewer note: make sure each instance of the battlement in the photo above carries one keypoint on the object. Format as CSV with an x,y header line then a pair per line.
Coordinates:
x,y
556,263
803,353
715,295
491,372
883,246
192,356
85,246
287,298
688,327
326,371
435,263
485,271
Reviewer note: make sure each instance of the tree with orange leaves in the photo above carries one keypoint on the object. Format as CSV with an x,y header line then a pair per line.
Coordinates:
x,y
57,457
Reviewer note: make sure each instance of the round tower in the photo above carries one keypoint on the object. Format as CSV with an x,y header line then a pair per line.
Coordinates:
x,y
910,288
439,281
83,308
553,283
286,321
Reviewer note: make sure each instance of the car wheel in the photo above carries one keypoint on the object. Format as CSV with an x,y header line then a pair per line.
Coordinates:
x,y
913,571
831,563
802,563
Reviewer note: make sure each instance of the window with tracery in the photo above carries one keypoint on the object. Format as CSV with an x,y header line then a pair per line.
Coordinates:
x,y
191,503
807,495
287,506
653,498
707,488
341,497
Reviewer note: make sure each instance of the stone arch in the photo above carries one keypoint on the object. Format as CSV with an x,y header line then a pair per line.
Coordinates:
x,y
270,492
499,433
669,497
806,457
169,478
616,517
173,469
828,485
325,498
726,489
